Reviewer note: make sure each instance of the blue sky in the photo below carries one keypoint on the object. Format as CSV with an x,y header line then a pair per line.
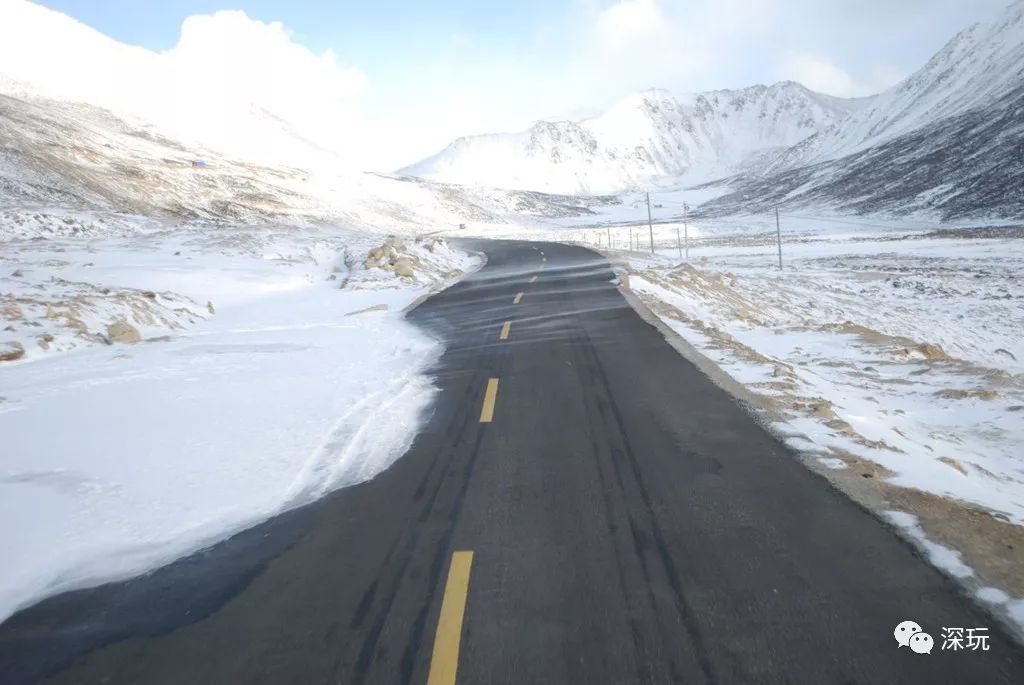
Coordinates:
x,y
435,70
357,29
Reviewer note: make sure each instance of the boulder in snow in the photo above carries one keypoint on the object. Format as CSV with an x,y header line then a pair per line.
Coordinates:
x,y
404,267
122,332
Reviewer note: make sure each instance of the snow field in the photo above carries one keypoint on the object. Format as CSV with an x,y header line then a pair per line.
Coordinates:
x,y
304,378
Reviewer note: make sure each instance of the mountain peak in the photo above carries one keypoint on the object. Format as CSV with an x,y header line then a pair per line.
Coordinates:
x,y
646,135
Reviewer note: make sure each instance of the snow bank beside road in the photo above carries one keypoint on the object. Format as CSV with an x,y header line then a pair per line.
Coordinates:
x,y
118,458
892,363
905,352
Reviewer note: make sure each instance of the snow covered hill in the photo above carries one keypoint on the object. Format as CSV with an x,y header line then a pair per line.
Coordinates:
x,y
647,136
946,140
75,169
978,68
966,167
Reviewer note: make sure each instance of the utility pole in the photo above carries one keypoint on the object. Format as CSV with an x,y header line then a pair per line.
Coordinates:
x,y
650,225
686,231
679,245
609,237
778,236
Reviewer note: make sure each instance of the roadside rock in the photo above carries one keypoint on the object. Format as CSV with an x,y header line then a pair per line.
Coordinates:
x,y
391,256
394,242
374,258
404,267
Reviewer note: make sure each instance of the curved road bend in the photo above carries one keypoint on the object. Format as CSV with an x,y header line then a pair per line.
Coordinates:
x,y
627,521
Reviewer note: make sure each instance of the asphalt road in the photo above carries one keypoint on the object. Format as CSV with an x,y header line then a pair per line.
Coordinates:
x,y
629,523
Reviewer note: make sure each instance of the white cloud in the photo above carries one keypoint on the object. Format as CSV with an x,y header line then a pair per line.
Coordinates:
x,y
819,73
259,61
629,23
680,45
232,83
634,44
226,68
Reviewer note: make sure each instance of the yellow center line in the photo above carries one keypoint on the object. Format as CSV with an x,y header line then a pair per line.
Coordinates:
x,y
518,298
533,280
444,663
487,411
505,330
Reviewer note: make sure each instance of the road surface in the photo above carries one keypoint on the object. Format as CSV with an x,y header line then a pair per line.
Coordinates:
x,y
586,507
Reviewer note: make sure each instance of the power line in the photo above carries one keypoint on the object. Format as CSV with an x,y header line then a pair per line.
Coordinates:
x,y
850,222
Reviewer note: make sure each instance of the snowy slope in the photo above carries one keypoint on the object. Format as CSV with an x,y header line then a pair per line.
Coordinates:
x,y
966,167
647,136
977,67
948,141
72,156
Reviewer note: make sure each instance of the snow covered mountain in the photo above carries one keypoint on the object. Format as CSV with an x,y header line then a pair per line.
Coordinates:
x,y
120,126
966,167
74,169
948,141
978,67
647,136
771,142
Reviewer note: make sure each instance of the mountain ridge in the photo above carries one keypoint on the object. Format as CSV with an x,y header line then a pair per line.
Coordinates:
x,y
647,135
709,139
